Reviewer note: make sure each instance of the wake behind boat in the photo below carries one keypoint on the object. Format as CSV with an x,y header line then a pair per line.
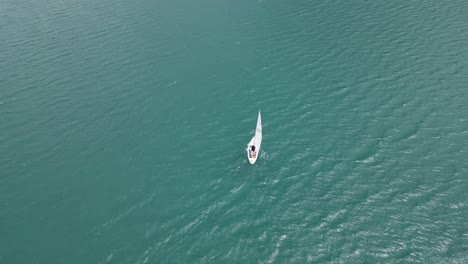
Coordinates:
x,y
253,148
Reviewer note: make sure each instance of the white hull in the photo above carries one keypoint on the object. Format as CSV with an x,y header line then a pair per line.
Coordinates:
x,y
256,141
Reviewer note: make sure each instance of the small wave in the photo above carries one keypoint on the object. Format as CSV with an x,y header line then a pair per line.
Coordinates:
x,y
277,247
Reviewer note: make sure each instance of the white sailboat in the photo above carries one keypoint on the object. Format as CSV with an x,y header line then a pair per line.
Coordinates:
x,y
253,148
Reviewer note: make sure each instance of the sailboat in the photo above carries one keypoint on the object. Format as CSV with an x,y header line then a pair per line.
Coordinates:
x,y
253,148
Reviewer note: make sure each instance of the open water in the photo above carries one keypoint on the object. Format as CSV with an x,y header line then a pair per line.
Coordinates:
x,y
123,126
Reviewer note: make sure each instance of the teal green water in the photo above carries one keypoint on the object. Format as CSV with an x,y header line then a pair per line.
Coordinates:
x,y
123,126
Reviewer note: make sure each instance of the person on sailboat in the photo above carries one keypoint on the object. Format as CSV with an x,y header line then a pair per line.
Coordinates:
x,y
252,151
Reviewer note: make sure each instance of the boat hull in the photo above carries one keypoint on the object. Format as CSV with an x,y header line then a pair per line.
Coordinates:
x,y
256,141
252,160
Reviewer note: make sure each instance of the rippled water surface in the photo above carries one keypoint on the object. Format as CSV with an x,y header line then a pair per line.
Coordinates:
x,y
123,126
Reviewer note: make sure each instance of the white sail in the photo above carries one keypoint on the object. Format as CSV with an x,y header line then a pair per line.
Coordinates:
x,y
258,132
259,123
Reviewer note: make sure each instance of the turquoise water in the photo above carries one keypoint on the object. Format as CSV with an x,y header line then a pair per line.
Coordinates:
x,y
123,127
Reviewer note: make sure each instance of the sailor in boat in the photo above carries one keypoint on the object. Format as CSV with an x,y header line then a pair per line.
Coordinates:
x,y
252,153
